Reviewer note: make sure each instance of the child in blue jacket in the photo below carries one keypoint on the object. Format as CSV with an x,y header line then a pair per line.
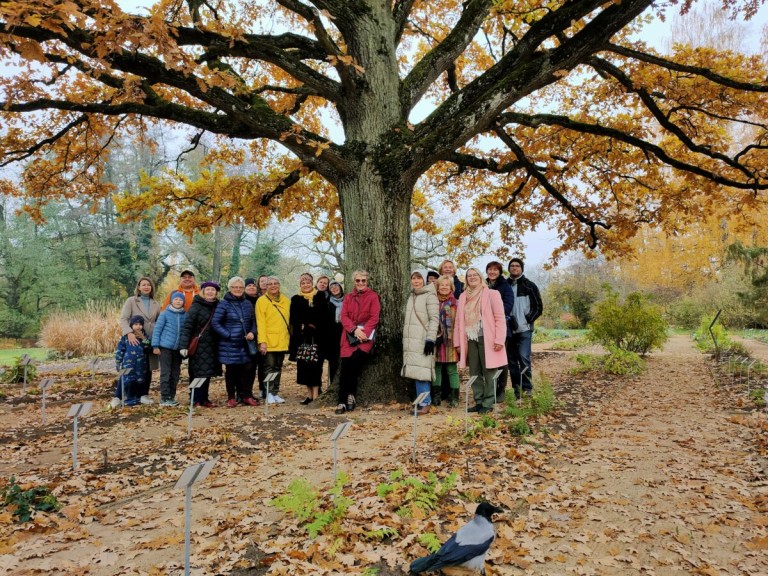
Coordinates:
x,y
165,343
134,357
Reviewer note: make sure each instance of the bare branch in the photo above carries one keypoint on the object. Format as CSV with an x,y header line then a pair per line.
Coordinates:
x,y
534,120
551,190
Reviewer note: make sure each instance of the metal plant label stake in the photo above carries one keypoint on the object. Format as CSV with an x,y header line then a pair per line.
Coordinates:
x,y
77,411
466,403
419,399
340,430
122,373
92,366
191,476
24,361
495,385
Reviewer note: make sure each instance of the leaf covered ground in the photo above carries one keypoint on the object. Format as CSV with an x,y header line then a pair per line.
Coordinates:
x,y
656,474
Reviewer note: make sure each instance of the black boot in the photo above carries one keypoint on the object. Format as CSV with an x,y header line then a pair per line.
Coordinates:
x,y
454,401
436,396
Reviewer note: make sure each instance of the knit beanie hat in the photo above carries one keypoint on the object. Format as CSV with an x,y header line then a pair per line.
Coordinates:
x,y
210,283
519,261
136,320
249,281
176,294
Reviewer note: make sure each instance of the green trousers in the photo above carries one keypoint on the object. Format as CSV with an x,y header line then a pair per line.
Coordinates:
x,y
483,387
453,374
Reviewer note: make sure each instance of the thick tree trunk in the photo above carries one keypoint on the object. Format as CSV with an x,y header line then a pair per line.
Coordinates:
x,y
376,219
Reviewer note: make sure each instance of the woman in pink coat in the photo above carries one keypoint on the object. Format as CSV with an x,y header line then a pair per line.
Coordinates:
x,y
479,337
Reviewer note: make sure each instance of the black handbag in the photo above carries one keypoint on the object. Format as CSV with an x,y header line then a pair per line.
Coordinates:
x,y
352,339
252,348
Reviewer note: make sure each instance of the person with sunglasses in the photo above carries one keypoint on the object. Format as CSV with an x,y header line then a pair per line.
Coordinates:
x,y
359,319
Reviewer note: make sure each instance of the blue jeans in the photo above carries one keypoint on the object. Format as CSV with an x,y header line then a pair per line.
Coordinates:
x,y
519,359
424,386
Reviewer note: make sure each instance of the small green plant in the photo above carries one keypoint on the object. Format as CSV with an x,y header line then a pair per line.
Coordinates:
x,y
519,427
623,363
703,338
586,363
570,344
757,396
617,362
24,503
14,374
430,541
409,492
481,425
636,325
383,533
320,515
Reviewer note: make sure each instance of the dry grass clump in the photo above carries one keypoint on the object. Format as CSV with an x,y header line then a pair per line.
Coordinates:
x,y
94,330
8,343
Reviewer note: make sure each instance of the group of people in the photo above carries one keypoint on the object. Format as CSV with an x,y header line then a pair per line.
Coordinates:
x,y
485,325
248,331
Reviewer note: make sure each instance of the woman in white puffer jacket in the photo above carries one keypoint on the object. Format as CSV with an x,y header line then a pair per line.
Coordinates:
x,y
419,334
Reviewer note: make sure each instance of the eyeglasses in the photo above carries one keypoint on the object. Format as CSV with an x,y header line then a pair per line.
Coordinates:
x,y
237,287
361,281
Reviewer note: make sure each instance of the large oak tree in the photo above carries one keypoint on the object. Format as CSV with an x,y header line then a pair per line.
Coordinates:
x,y
539,110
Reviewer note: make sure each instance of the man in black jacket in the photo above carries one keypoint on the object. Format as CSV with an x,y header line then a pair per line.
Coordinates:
x,y
528,307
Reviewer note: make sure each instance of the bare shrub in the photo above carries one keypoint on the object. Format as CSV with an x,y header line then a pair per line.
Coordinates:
x,y
88,332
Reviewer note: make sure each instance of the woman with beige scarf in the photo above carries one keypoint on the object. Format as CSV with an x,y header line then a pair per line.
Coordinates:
x,y
479,337
308,315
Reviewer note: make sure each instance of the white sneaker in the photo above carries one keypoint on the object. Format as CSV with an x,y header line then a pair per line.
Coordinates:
x,y
146,400
114,403
278,399
271,399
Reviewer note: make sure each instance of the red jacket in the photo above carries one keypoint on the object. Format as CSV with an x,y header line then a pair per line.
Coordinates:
x,y
359,309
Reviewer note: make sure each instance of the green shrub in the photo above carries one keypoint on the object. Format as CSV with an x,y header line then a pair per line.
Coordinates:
x,y
703,338
586,363
14,374
623,363
618,362
635,325
24,503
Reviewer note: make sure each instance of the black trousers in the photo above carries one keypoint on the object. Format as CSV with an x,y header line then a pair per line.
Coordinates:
x,y
351,368
238,384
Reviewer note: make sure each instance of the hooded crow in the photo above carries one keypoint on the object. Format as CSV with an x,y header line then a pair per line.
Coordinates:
x,y
466,548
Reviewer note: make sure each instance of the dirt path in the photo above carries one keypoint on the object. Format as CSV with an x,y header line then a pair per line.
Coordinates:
x,y
652,475
664,482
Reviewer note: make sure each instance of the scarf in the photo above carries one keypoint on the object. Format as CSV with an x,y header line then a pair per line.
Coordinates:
x,y
473,309
337,302
310,296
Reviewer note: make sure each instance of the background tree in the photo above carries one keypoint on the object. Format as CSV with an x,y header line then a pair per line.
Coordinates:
x,y
511,118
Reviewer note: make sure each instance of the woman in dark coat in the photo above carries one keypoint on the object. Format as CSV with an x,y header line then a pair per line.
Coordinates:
x,y
235,324
331,347
309,314
204,363
495,280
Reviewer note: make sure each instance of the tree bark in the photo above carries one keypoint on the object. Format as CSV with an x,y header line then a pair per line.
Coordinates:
x,y
377,239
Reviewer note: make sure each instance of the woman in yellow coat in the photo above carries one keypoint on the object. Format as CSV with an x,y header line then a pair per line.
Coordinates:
x,y
272,321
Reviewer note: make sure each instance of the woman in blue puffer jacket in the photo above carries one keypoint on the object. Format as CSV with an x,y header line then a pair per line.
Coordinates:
x,y
235,324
